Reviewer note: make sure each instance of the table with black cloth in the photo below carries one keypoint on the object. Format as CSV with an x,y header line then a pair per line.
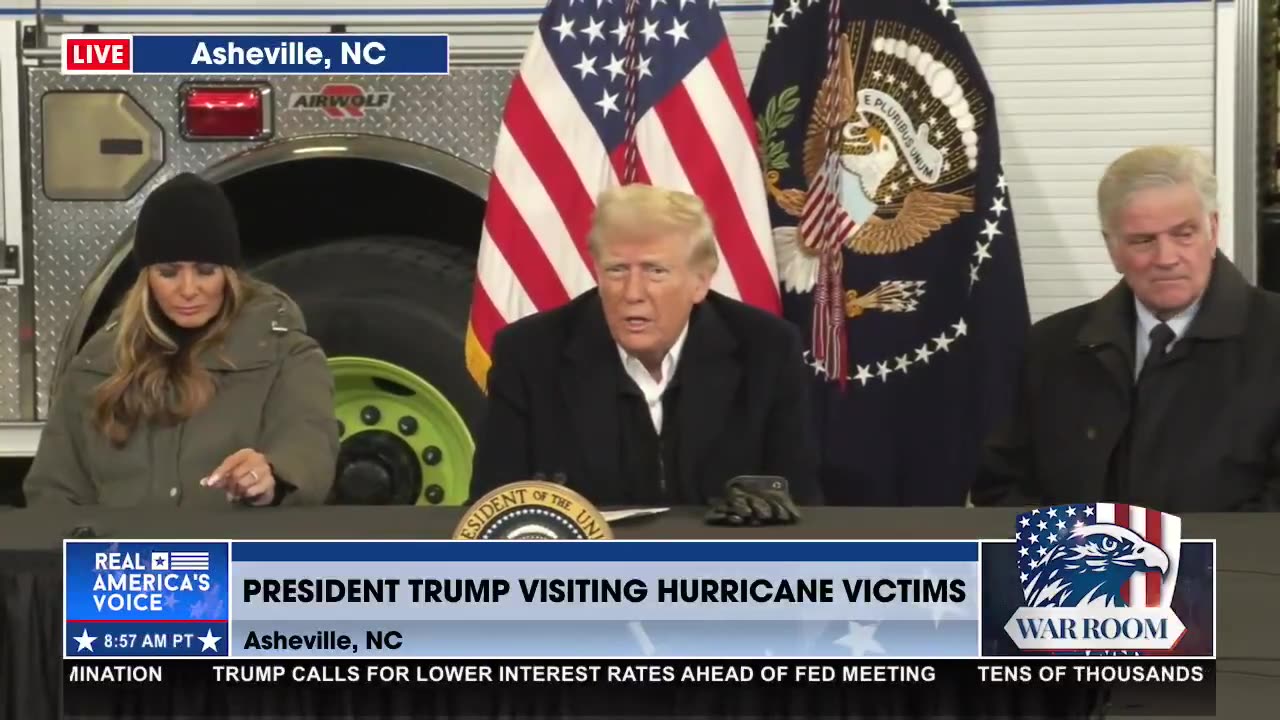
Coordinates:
x,y
1248,563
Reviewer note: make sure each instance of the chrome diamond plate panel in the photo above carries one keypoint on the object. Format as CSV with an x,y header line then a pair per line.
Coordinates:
x,y
458,114
10,405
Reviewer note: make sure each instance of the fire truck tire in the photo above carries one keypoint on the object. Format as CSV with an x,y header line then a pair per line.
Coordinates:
x,y
402,302
421,439
421,271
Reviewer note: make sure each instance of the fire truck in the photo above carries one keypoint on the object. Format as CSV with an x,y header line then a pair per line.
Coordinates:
x,y
363,197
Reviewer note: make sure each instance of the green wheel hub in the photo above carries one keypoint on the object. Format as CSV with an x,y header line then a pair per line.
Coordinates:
x,y
403,443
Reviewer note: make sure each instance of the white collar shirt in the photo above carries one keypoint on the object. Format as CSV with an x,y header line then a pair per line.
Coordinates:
x,y
651,389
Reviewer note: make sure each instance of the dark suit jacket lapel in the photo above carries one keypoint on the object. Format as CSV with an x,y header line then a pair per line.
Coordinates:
x,y
1222,316
709,374
1109,335
588,380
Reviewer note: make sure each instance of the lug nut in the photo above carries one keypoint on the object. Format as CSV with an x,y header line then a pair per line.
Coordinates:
x,y
408,425
370,415
432,455
434,494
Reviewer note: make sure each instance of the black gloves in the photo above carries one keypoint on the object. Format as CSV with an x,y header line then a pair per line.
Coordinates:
x,y
754,500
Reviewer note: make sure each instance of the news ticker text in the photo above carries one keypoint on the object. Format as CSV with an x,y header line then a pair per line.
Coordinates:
x,y
652,687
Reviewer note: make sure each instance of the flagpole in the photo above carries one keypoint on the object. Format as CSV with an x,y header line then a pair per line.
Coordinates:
x,y
632,154
829,331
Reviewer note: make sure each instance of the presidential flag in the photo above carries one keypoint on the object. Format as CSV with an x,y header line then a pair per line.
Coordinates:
x,y
897,249
611,93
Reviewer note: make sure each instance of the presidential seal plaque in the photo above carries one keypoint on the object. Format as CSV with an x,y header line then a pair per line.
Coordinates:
x,y
533,510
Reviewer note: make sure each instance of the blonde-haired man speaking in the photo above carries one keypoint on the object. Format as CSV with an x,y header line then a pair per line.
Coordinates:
x,y
650,389
1164,393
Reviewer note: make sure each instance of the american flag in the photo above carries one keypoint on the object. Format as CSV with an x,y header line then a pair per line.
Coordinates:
x,y
593,65
1040,530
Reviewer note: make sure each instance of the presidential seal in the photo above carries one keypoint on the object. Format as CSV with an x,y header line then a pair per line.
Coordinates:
x,y
533,510
886,167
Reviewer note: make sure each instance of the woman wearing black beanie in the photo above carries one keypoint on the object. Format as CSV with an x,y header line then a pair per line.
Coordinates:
x,y
203,389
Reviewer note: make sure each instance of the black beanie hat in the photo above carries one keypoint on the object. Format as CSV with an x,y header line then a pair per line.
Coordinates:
x,y
187,219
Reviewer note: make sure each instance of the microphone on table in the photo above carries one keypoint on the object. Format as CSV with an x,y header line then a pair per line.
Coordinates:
x,y
754,500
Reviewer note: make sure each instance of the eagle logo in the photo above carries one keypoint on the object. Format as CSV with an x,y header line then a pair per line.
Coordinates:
x,y
1091,566
1097,579
886,162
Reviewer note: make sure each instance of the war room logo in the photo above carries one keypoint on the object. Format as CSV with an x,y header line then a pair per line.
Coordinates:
x,y
341,101
1097,578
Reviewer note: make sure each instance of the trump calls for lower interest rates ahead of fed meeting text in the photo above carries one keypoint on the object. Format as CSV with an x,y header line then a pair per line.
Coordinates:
x,y
645,599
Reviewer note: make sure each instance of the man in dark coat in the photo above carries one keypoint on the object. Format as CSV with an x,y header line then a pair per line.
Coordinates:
x,y
650,389
1164,393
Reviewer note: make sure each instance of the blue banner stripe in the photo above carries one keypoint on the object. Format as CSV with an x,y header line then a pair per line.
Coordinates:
x,y
291,54
593,551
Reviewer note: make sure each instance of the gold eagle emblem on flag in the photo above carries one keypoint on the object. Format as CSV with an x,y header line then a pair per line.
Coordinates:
x,y
887,161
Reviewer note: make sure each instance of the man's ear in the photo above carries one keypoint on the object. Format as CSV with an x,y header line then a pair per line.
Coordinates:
x,y
1213,230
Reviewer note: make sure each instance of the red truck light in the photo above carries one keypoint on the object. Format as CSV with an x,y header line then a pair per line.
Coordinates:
x,y
226,112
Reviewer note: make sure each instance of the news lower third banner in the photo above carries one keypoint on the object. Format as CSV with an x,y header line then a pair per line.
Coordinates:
x,y
1082,598
292,54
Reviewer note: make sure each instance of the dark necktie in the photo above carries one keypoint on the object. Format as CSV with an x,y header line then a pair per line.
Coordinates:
x,y
1161,336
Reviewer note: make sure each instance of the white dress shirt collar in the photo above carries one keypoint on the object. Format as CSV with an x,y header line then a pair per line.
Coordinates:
x,y
650,388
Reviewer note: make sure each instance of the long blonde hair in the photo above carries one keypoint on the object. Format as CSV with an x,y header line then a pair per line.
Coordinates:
x,y
156,378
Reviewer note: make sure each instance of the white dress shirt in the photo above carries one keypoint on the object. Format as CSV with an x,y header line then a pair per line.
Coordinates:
x,y
650,388
1147,321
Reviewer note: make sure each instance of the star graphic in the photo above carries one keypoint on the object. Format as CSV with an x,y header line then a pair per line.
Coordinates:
x,y
649,31
615,67
861,639
864,374
607,103
209,641
678,31
565,28
983,252
587,66
84,640
593,30
776,23
620,33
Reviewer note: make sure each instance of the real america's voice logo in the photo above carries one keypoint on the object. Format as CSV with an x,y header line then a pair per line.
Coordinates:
x,y
1097,579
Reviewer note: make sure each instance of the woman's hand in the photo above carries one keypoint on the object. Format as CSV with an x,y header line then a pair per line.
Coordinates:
x,y
245,475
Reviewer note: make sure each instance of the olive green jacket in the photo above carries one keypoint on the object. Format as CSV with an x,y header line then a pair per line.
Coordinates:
x,y
275,396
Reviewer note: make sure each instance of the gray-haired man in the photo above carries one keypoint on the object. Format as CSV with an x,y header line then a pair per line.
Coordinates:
x,y
1165,392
